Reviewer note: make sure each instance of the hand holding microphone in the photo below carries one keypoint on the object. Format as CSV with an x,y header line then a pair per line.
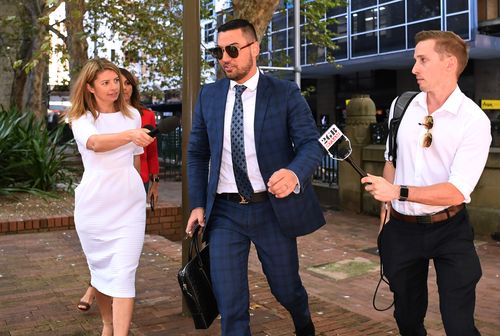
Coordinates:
x,y
164,126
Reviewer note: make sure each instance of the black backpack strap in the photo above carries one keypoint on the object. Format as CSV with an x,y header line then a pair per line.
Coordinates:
x,y
400,107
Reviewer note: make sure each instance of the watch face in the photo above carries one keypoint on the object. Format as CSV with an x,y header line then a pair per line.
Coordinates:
x,y
403,193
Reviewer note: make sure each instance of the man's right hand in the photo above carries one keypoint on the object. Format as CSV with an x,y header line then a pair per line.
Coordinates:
x,y
197,217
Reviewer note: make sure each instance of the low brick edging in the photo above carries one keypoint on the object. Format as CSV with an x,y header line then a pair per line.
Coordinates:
x,y
165,221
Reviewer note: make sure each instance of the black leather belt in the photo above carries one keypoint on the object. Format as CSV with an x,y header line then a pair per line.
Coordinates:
x,y
429,219
235,197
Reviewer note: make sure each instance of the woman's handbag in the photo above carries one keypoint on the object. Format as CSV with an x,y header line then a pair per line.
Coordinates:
x,y
196,286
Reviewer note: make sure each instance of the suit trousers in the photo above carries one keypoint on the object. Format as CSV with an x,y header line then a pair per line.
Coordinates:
x,y
405,250
231,229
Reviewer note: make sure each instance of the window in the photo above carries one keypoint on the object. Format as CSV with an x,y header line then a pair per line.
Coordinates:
x,y
341,51
291,18
209,32
364,21
291,37
392,39
336,11
264,59
423,9
459,24
392,14
264,44
339,27
315,54
415,28
279,58
358,4
279,22
279,40
365,44
453,6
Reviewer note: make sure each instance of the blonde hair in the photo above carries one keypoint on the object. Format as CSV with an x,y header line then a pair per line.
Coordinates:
x,y
449,43
82,100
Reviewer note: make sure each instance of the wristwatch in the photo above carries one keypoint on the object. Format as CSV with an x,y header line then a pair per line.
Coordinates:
x,y
155,179
403,193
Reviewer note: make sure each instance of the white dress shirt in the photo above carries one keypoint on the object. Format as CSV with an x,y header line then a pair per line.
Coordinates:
x,y
461,138
227,183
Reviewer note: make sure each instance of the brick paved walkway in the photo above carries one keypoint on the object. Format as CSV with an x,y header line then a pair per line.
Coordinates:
x,y
42,276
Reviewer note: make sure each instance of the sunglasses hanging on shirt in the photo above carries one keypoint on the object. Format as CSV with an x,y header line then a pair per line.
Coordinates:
x,y
232,50
428,123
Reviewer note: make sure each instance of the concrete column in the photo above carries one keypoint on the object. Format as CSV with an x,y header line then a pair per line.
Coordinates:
x,y
360,114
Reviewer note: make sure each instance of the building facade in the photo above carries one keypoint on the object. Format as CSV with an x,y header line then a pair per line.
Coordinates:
x,y
375,40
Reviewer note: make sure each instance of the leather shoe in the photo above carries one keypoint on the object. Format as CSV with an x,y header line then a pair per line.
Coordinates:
x,y
307,330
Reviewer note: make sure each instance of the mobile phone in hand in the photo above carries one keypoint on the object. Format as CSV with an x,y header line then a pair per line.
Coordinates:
x,y
152,203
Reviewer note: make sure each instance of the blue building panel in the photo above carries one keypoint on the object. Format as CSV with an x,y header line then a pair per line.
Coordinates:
x,y
375,28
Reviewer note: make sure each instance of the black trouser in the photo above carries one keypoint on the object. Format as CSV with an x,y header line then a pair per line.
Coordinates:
x,y
405,250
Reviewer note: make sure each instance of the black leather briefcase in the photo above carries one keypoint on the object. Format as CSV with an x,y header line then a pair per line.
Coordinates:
x,y
196,286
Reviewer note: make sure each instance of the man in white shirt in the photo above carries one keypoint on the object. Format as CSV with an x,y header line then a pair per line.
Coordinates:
x,y
443,144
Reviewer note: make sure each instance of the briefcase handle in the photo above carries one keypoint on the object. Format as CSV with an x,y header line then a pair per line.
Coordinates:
x,y
195,246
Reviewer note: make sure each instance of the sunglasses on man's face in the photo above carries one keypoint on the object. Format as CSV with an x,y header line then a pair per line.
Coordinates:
x,y
232,50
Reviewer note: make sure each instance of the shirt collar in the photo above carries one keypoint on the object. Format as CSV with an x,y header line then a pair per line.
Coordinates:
x,y
451,104
251,83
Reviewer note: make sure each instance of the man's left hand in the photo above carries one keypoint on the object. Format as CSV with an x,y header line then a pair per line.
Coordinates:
x,y
282,183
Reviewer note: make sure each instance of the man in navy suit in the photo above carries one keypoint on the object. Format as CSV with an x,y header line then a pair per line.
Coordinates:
x,y
252,151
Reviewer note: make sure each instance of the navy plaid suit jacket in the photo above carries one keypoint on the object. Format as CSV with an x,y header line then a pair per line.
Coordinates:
x,y
285,137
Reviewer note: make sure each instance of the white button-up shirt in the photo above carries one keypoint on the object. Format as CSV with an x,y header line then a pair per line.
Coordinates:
x,y
227,183
461,138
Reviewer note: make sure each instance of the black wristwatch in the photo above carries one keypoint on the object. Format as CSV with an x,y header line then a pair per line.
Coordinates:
x,y
403,193
155,179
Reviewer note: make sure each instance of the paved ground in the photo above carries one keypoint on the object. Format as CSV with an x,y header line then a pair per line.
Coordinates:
x,y
42,276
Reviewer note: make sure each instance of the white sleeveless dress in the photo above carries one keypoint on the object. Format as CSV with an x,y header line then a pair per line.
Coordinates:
x,y
110,205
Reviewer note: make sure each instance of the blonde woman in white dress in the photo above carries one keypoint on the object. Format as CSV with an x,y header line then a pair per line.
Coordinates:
x,y
110,200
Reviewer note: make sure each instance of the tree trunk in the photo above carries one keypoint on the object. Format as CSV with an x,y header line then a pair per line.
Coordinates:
x,y
30,81
258,12
24,53
20,76
76,41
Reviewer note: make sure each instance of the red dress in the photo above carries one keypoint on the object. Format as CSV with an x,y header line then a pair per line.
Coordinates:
x,y
149,160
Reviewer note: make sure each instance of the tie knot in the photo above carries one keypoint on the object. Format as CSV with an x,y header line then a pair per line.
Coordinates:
x,y
239,89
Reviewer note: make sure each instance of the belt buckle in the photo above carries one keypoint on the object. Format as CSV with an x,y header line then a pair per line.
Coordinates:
x,y
243,200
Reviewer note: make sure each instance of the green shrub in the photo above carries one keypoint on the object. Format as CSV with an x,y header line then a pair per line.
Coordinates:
x,y
32,159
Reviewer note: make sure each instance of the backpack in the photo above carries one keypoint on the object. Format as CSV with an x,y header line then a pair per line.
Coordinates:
x,y
400,107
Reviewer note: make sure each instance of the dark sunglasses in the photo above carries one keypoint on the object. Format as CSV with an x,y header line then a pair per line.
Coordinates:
x,y
232,50
428,123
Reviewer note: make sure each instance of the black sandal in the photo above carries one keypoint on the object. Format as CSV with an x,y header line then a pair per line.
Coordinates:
x,y
82,305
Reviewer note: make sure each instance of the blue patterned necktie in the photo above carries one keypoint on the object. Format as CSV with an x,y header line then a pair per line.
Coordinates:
x,y
238,146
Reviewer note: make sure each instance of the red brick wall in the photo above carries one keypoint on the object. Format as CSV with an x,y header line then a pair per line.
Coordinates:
x,y
165,221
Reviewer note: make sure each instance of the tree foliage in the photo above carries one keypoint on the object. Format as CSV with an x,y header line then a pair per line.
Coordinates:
x,y
150,32
316,28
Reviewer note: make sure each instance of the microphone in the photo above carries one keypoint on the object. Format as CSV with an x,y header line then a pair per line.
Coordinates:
x,y
165,125
354,165
338,147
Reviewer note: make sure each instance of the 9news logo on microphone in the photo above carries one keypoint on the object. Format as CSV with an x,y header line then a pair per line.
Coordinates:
x,y
331,136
